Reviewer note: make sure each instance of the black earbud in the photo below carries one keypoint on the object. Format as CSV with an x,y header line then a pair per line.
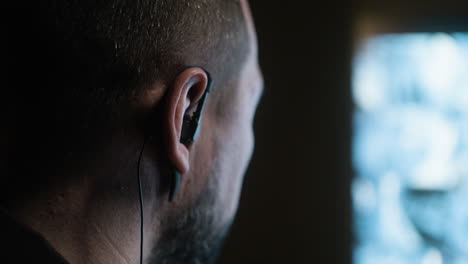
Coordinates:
x,y
189,133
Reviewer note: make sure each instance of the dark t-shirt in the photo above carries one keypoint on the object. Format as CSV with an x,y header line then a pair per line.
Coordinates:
x,y
19,244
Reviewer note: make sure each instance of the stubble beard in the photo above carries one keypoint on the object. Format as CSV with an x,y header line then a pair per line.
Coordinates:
x,y
196,235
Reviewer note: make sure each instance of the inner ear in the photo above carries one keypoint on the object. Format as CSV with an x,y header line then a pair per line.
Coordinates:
x,y
182,99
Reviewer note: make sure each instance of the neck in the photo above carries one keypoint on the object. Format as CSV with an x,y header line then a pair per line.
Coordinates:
x,y
84,226
95,217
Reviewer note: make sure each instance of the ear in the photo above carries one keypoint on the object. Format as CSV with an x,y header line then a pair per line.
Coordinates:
x,y
182,98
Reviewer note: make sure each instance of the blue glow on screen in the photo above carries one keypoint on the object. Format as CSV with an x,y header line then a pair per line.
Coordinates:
x,y
410,149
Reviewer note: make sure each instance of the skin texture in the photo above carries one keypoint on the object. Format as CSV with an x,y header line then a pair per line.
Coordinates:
x,y
217,160
96,218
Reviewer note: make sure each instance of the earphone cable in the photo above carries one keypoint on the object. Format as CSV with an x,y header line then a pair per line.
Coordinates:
x,y
140,196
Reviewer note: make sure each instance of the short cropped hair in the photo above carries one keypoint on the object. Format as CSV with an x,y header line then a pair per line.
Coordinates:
x,y
110,48
74,64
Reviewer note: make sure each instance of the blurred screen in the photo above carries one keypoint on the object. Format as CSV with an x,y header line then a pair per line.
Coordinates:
x,y
410,149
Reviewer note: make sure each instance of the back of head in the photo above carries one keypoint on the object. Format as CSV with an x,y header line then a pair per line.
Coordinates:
x,y
76,65
99,94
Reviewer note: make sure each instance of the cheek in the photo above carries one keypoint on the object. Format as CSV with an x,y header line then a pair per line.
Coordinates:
x,y
224,150
234,153
239,141
238,151
221,157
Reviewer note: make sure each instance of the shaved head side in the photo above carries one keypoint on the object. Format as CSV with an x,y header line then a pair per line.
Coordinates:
x,y
120,45
76,65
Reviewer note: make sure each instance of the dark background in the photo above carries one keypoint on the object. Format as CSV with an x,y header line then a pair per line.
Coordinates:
x,y
295,206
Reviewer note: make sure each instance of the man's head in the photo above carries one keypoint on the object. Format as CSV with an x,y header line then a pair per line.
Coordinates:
x,y
90,82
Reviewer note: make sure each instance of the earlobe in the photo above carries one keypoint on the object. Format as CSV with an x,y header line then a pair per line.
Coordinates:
x,y
184,93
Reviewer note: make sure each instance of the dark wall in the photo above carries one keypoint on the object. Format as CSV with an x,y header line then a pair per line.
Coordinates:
x,y
294,203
